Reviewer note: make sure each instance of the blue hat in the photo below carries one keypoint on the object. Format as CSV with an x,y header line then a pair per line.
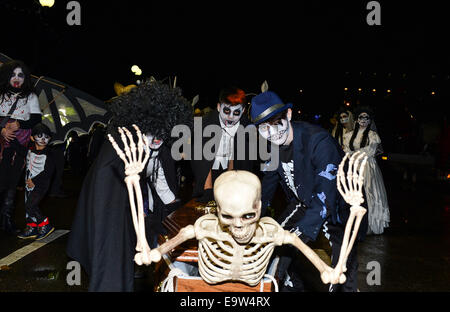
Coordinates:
x,y
265,105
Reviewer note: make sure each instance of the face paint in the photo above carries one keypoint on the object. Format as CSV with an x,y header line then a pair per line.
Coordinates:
x,y
230,115
277,133
17,78
154,143
363,120
41,139
344,118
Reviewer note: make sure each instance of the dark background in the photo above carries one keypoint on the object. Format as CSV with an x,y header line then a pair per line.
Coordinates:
x,y
319,47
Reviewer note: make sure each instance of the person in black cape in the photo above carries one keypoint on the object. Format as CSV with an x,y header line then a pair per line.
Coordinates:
x,y
103,238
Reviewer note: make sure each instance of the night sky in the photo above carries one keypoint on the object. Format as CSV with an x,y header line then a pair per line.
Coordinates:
x,y
317,46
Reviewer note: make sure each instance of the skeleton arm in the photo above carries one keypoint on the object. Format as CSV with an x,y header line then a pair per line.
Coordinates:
x,y
185,234
327,274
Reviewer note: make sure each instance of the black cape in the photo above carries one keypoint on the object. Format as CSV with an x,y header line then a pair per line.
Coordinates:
x,y
102,237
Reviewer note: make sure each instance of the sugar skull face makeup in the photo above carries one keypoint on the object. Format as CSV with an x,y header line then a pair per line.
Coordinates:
x,y
154,143
363,120
17,78
230,115
343,118
276,133
41,139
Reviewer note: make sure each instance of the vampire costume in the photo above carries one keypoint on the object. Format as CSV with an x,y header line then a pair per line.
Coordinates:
x,y
230,114
19,113
103,238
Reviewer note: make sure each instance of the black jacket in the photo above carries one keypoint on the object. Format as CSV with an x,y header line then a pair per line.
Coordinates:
x,y
102,237
201,168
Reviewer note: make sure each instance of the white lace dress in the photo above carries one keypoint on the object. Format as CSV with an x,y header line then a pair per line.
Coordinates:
x,y
378,208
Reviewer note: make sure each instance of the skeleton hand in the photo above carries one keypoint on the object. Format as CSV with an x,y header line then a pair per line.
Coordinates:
x,y
134,164
155,255
350,188
332,276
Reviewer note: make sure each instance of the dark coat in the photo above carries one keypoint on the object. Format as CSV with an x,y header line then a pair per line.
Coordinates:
x,y
316,157
201,168
102,237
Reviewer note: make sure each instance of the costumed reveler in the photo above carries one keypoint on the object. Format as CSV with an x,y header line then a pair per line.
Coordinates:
x,y
103,238
230,114
308,161
345,123
40,166
19,113
365,138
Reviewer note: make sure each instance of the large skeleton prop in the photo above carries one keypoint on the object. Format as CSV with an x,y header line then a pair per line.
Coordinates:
x,y
236,245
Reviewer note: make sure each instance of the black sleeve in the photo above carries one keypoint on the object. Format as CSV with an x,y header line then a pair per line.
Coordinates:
x,y
43,179
30,123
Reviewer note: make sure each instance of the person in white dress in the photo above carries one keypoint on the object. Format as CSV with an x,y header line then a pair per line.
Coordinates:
x,y
365,138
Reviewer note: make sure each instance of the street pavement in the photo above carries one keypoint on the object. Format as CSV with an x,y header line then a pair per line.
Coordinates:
x,y
413,254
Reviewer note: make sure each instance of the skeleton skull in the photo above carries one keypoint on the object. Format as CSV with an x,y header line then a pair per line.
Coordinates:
x,y
238,197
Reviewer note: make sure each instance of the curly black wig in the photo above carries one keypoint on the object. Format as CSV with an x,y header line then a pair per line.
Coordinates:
x,y
154,107
6,72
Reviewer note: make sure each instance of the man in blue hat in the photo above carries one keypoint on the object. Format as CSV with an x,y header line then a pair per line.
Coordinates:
x,y
308,162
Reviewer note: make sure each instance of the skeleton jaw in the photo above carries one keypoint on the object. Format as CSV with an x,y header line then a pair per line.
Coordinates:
x,y
243,235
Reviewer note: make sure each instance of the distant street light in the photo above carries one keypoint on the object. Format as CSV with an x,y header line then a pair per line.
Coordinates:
x,y
47,3
136,70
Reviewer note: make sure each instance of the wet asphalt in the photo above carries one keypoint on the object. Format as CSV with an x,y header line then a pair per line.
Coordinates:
x,y
413,255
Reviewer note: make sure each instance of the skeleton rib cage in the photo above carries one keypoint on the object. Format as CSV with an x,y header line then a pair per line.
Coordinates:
x,y
222,259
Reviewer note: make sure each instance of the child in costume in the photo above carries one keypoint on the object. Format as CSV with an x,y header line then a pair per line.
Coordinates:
x,y
40,166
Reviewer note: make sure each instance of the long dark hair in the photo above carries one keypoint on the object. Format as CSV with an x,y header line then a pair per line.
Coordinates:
x,y
6,71
339,128
365,137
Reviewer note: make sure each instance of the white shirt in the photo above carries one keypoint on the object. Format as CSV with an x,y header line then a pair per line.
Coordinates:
x,y
226,146
24,108
161,186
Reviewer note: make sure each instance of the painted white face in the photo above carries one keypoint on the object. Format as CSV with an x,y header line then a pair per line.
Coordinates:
x,y
363,120
17,78
42,139
343,118
154,143
230,115
277,133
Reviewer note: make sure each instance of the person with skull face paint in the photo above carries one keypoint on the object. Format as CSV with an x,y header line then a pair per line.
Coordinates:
x,y
344,124
309,158
365,138
40,166
229,116
103,238
19,113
